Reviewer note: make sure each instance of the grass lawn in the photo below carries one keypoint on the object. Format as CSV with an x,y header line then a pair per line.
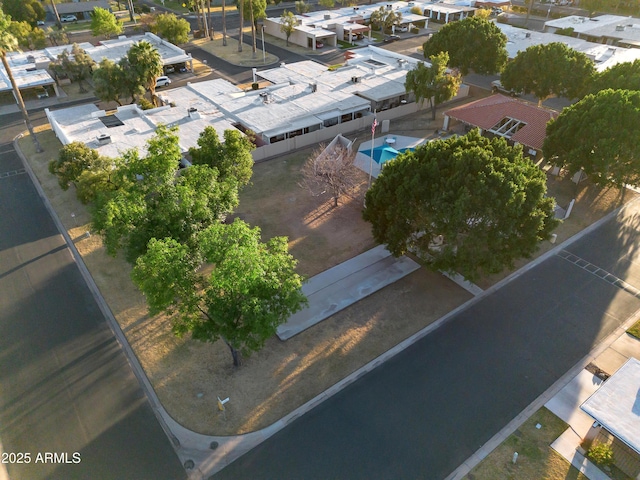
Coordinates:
x,y
635,330
536,459
189,375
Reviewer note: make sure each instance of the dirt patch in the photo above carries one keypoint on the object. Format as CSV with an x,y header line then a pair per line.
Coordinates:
x,y
188,376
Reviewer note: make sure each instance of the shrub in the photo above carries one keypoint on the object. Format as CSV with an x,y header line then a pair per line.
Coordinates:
x,y
416,10
601,454
145,104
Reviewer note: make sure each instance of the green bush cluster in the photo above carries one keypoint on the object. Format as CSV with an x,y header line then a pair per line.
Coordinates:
x,y
601,454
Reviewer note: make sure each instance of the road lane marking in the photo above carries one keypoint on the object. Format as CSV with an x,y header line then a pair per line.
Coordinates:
x,y
13,173
599,272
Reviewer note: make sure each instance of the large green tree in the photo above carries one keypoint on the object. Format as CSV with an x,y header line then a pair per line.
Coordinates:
x,y
433,83
9,43
599,134
622,76
29,11
466,204
171,28
231,157
473,44
103,22
547,70
252,288
73,159
150,201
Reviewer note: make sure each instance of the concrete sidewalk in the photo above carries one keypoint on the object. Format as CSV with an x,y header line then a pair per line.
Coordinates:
x,y
566,403
345,284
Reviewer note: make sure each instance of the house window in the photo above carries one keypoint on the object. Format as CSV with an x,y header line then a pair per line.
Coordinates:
x,y
347,117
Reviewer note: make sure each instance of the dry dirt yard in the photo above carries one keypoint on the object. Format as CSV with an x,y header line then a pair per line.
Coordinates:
x,y
188,375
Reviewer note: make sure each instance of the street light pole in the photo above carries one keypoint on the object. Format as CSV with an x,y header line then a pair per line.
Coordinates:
x,y
264,54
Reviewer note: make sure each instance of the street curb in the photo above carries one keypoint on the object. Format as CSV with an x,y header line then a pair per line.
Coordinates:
x,y
211,454
137,369
559,384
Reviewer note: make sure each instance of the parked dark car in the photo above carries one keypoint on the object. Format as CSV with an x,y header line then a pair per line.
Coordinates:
x,y
391,38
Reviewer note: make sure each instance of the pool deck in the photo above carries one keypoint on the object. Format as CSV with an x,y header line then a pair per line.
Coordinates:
x,y
363,159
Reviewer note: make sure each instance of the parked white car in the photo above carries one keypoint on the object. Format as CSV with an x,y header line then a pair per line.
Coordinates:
x,y
163,81
68,18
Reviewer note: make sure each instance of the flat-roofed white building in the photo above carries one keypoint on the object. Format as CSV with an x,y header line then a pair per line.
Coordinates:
x,y
603,56
112,133
305,104
30,68
607,29
345,24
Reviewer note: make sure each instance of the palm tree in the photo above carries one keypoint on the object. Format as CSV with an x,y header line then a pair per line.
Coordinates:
x,y
241,5
253,28
8,43
147,63
55,12
224,25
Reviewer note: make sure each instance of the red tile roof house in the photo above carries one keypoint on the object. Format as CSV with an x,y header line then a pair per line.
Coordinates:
x,y
498,115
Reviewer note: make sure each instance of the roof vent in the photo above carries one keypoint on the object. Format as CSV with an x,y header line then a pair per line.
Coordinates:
x,y
103,139
314,87
193,113
527,35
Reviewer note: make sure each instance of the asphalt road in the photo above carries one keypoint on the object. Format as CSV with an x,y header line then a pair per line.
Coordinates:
x,y
65,385
426,411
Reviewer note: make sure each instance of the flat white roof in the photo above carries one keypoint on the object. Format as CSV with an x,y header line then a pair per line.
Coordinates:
x,y
82,123
117,48
603,56
616,404
347,15
24,79
612,26
381,74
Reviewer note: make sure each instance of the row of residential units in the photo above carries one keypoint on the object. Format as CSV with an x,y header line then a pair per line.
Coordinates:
x,y
305,103
327,27
30,69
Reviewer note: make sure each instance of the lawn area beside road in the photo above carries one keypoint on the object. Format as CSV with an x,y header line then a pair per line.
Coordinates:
x,y
188,376
536,459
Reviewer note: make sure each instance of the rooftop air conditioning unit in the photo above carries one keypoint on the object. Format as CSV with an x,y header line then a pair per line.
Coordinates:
x,y
355,79
527,35
327,16
619,28
193,113
314,87
103,139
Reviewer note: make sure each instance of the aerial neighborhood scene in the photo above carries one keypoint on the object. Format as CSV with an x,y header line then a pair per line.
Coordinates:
x,y
320,239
